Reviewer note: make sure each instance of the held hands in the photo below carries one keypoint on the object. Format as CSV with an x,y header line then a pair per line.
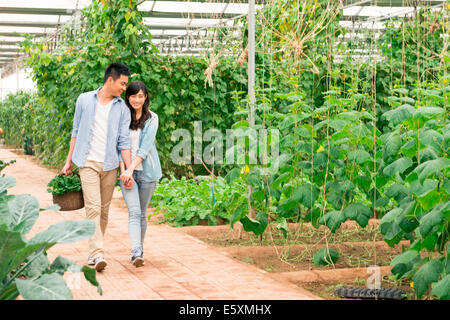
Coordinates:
x,y
127,178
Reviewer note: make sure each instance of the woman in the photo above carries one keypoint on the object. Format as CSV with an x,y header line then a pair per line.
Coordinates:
x,y
145,167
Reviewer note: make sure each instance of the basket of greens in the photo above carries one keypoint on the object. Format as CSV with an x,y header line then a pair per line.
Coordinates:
x,y
66,192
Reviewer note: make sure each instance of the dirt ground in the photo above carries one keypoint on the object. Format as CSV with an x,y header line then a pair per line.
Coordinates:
x,y
291,258
300,257
274,253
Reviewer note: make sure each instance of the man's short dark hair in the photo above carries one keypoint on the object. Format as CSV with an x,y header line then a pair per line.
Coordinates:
x,y
115,70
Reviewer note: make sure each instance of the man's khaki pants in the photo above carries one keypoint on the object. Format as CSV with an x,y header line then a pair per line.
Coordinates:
x,y
98,188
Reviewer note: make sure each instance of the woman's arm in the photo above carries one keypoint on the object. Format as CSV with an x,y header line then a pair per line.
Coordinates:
x,y
128,173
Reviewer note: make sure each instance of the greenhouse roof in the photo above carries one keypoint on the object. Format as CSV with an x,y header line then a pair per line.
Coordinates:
x,y
170,22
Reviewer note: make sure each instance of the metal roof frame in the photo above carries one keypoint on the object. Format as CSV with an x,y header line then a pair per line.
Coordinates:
x,y
49,29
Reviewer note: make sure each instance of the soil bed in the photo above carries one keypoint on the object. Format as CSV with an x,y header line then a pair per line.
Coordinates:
x,y
300,257
300,233
358,247
290,258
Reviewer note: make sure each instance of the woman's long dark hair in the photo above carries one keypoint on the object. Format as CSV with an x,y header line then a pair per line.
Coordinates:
x,y
134,88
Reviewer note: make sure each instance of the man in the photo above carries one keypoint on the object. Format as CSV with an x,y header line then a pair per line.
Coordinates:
x,y
100,131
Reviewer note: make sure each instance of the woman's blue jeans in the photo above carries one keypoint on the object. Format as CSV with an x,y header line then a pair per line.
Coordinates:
x,y
137,199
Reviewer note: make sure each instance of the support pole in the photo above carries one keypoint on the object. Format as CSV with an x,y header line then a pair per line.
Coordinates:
x,y
251,60
251,80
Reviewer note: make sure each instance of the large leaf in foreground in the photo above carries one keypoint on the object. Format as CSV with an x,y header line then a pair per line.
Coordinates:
x,y
61,265
24,211
10,243
6,183
48,287
66,232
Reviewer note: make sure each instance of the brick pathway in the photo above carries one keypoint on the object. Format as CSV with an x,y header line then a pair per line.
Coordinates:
x,y
177,267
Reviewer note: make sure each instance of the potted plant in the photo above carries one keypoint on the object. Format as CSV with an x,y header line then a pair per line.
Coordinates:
x,y
66,191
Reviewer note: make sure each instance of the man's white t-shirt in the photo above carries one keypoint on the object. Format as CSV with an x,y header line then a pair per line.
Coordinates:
x,y
97,149
134,137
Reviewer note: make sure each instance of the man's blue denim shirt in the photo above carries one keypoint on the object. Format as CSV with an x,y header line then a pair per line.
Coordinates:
x,y
118,134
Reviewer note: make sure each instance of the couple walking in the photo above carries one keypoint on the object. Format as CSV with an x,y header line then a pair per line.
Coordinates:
x,y
110,133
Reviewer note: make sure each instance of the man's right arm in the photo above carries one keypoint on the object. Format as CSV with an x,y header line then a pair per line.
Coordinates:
x,y
67,169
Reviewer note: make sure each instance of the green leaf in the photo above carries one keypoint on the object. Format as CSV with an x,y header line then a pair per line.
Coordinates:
x,y
325,256
238,213
281,179
399,114
254,179
335,198
9,293
10,243
333,219
427,168
6,183
409,149
397,191
90,275
431,221
359,213
426,275
257,225
61,265
24,211
390,228
232,175
257,196
26,253
359,156
242,123
421,190
399,166
408,225
48,287
306,194
38,266
405,257
313,216
286,208
66,232
338,124
392,145
363,183
283,226
425,114
432,138
442,288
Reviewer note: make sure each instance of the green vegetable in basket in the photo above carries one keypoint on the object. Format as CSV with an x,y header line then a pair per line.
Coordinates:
x,y
61,184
